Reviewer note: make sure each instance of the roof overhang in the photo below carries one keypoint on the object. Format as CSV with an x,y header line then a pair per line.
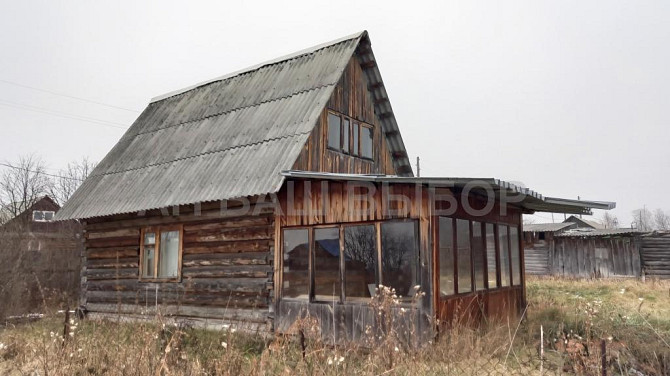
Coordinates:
x,y
503,191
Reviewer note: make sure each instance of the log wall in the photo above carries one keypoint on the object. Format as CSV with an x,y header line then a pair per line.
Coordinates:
x,y
226,267
655,255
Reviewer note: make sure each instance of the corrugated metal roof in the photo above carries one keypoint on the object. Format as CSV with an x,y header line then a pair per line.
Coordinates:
x,y
504,191
546,227
588,232
225,138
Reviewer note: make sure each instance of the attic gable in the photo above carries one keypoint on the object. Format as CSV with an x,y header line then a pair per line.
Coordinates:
x,y
223,139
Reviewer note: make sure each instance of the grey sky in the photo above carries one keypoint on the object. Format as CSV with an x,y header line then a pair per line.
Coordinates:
x,y
571,97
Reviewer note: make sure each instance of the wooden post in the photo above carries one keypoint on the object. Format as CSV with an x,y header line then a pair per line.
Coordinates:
x,y
603,356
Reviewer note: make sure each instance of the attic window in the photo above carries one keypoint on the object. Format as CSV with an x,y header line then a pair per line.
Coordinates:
x,y
349,136
161,251
43,216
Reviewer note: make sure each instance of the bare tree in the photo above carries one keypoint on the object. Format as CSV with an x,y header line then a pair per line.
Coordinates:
x,y
643,220
610,220
661,220
69,179
22,184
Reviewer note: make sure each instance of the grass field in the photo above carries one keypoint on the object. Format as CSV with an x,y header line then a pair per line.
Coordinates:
x,y
632,317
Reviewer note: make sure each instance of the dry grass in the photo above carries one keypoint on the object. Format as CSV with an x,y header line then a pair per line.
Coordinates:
x,y
575,316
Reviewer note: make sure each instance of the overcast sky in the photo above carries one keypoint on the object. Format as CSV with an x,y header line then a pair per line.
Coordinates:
x,y
572,98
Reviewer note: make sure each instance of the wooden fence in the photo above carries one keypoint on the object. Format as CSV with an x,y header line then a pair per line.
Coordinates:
x,y
655,255
585,257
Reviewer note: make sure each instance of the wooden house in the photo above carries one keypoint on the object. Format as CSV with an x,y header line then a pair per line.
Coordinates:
x,y
284,190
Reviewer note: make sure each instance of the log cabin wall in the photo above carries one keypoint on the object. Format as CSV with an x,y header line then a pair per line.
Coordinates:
x,y
226,268
352,98
314,203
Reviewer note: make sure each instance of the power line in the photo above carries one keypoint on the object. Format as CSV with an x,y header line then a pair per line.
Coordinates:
x,y
66,115
40,172
68,96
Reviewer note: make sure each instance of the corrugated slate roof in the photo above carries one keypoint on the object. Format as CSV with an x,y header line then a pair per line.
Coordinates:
x,y
226,138
589,232
546,227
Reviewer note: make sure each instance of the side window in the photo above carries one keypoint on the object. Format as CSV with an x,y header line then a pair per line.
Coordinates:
x,y
478,256
366,142
446,256
503,238
360,261
463,258
38,216
161,253
295,282
354,138
346,129
334,131
491,256
400,254
327,264
516,255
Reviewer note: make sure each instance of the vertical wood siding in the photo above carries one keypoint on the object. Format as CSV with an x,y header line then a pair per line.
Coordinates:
x,y
352,98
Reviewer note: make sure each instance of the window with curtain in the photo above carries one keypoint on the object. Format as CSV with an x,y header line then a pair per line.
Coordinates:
x,y
503,237
160,256
327,264
295,283
463,256
400,254
446,256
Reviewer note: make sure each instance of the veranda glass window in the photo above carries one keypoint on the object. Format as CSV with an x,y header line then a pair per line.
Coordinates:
x,y
354,138
491,256
446,256
503,244
327,264
463,259
516,255
478,255
345,135
334,131
366,142
360,261
399,256
295,282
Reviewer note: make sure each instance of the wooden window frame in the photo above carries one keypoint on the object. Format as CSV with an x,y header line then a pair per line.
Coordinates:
x,y
157,230
353,123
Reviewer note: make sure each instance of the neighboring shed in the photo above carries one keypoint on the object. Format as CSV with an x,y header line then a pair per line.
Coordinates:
x,y
656,254
45,253
284,190
584,223
538,245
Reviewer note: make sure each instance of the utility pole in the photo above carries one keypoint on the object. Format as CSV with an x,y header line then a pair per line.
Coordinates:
x,y
578,199
418,167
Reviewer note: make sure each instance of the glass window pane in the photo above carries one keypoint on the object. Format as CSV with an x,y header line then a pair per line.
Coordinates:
x,y
355,133
478,254
48,215
38,215
168,260
296,262
148,266
491,256
327,264
399,256
366,142
334,131
504,255
149,238
360,261
516,257
446,234
345,136
463,260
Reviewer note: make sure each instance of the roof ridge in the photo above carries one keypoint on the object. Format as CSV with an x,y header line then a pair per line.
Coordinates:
x,y
237,109
291,56
205,153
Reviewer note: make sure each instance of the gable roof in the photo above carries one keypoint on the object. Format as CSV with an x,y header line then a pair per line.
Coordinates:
x,y
581,222
229,137
547,227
